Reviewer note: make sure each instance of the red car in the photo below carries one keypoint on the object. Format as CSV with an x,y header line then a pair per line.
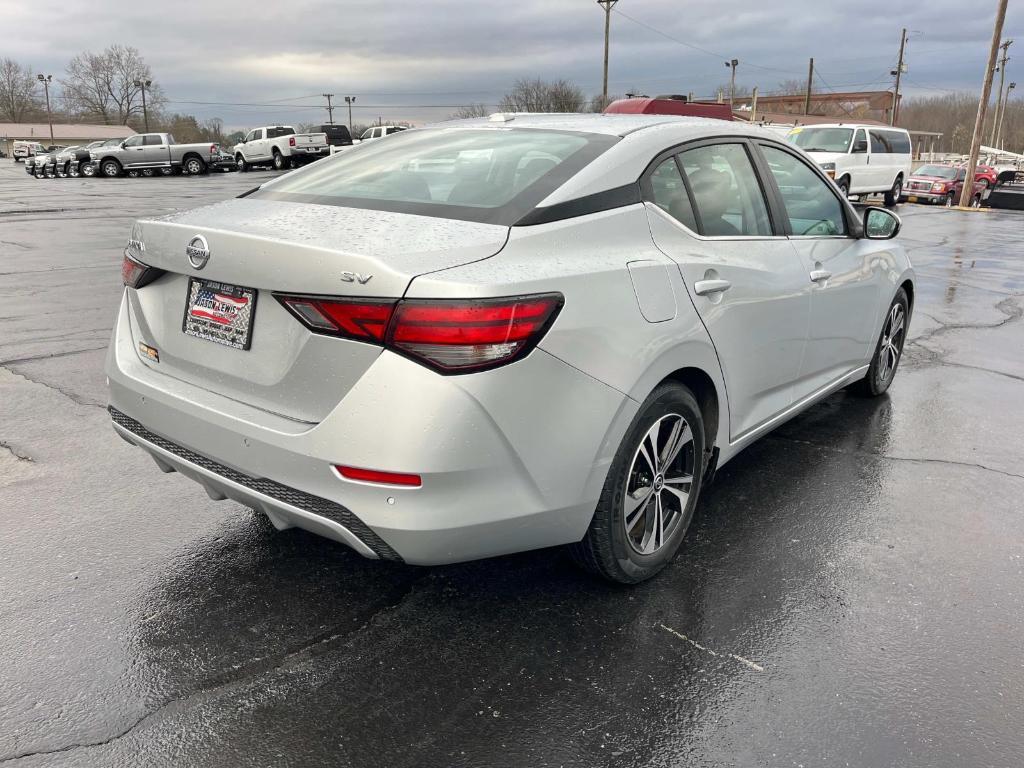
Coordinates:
x,y
940,184
986,174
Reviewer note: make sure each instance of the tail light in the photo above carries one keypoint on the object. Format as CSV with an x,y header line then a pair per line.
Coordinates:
x,y
213,149
135,274
450,336
291,141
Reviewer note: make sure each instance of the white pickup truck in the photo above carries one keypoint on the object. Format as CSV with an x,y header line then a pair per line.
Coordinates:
x,y
281,146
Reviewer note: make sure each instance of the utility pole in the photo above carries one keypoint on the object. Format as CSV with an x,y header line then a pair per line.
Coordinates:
x,y
900,66
810,80
46,86
986,94
330,107
144,84
999,94
732,86
753,106
607,5
1002,115
350,100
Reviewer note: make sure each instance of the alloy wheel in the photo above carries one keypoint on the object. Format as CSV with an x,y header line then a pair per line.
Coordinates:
x,y
892,342
658,485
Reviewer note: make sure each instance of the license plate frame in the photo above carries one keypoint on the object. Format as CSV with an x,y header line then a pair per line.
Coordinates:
x,y
209,316
912,198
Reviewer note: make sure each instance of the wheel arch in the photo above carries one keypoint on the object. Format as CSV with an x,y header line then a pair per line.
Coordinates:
x,y
703,388
188,155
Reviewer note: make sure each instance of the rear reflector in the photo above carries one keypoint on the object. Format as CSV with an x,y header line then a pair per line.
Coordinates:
x,y
135,274
376,476
450,336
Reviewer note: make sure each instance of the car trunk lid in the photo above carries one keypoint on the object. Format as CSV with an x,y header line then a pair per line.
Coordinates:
x,y
283,247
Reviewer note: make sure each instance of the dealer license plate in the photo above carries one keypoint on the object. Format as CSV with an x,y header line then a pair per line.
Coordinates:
x,y
912,199
219,312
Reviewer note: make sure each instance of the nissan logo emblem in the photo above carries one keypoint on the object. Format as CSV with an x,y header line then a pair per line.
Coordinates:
x,y
198,252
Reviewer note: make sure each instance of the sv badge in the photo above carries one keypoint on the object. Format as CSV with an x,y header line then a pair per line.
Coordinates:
x,y
355,277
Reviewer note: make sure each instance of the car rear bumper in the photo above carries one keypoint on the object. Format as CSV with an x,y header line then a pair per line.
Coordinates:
x,y
511,459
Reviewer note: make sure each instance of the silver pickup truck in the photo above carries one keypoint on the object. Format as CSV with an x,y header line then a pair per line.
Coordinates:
x,y
159,151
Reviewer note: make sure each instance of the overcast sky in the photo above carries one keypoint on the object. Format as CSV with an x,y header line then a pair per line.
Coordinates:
x,y
413,60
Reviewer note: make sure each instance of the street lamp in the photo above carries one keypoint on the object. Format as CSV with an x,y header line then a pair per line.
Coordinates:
x,y
732,88
144,84
46,86
350,100
1002,115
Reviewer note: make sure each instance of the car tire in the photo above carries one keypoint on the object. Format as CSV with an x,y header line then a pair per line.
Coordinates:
x,y
194,166
280,162
627,546
74,170
240,162
148,172
950,201
110,169
976,201
166,171
844,186
889,349
892,196
87,169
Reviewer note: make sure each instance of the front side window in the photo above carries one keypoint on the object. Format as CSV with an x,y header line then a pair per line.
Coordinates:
x,y
811,206
726,193
821,139
485,175
134,141
669,193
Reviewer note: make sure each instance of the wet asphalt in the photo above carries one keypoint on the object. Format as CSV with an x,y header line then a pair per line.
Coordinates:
x,y
849,594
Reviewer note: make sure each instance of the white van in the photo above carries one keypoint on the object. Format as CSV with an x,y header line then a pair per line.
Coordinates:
x,y
863,159
23,150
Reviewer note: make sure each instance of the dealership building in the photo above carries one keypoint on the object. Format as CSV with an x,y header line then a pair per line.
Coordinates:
x,y
68,134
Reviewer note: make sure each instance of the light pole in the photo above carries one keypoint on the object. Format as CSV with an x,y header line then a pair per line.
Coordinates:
x,y
350,100
732,87
607,5
1002,115
144,84
46,86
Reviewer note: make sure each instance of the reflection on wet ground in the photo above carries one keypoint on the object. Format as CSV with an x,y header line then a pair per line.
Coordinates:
x,y
849,592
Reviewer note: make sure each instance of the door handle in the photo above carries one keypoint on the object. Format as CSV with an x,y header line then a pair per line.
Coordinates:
x,y
709,287
820,275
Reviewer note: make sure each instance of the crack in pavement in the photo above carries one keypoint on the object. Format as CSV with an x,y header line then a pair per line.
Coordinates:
x,y
68,394
1011,310
16,454
20,360
890,457
251,673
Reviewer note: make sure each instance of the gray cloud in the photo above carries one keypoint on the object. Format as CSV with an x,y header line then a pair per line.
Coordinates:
x,y
412,60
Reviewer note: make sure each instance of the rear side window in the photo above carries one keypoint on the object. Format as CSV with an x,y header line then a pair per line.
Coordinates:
x,y
484,175
811,206
726,191
899,142
152,140
669,193
879,143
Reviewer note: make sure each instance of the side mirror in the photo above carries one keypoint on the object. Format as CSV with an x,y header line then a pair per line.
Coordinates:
x,y
860,147
881,224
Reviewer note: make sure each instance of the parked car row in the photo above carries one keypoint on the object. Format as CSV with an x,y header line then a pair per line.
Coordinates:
x,y
145,154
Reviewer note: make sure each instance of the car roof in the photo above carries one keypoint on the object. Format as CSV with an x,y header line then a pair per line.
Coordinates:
x,y
611,124
854,125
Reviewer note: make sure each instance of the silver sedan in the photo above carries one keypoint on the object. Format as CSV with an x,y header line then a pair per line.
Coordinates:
x,y
502,334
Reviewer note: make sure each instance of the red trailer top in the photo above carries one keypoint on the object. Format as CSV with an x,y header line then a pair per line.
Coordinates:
x,y
647,106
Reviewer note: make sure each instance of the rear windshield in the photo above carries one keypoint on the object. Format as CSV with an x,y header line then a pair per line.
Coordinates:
x,y
821,139
941,171
274,133
489,175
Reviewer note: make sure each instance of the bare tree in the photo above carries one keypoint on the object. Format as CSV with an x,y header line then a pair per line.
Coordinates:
x,y
536,95
598,103
471,110
19,97
101,86
213,127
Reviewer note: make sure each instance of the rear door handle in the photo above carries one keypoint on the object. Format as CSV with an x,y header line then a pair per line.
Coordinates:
x,y
820,275
708,287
